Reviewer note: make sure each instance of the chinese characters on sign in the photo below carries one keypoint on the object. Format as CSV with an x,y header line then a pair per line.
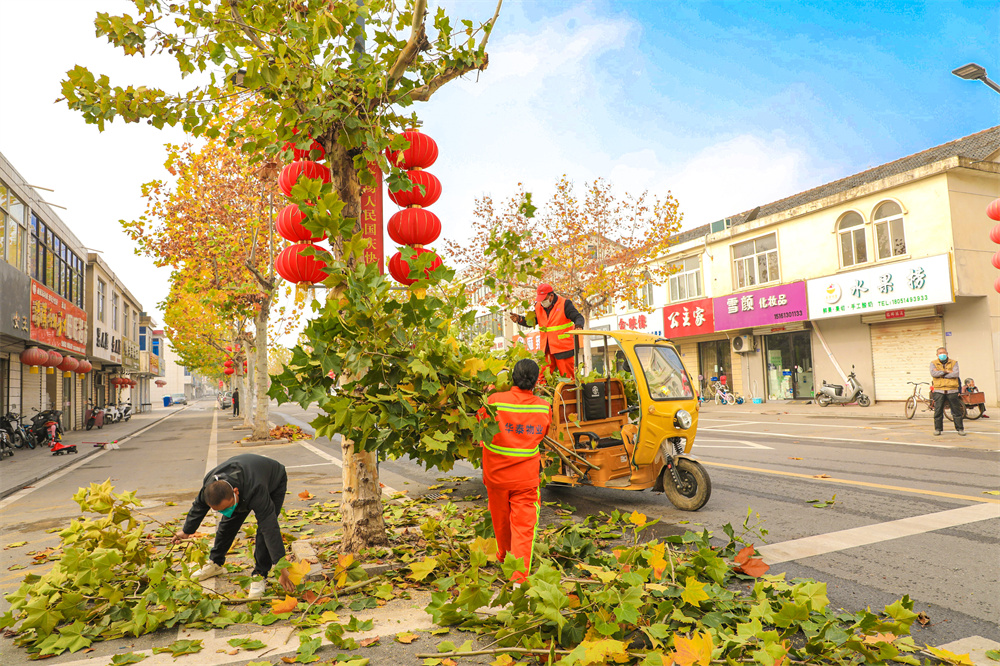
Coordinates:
x,y
371,221
57,322
761,307
918,282
688,318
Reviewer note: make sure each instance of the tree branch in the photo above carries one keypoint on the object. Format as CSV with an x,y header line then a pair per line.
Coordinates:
x,y
418,38
268,285
491,23
246,28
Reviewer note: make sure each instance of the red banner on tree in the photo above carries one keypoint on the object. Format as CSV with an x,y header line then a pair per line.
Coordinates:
x,y
371,221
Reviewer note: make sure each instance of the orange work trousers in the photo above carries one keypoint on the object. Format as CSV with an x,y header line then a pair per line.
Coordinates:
x,y
515,516
562,366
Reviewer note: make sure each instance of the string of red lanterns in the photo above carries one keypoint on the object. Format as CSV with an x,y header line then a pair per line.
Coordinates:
x,y
292,263
414,225
993,212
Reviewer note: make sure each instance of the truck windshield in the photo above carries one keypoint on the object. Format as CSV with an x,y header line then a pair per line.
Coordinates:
x,y
664,373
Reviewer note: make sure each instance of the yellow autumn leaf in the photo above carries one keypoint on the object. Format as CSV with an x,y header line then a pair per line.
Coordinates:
x,y
951,657
503,660
473,366
287,605
406,637
329,616
694,651
345,560
694,591
298,571
637,519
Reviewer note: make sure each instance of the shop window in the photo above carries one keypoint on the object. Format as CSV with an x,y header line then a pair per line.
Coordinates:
x,y
889,234
101,289
3,217
853,240
114,311
13,222
686,282
135,324
756,261
646,292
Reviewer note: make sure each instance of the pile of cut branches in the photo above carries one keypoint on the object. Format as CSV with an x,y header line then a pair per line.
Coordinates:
x,y
289,432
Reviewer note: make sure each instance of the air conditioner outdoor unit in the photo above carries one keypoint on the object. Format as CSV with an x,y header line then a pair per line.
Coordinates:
x,y
743,344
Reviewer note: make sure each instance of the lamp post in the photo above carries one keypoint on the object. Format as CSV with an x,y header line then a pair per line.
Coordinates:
x,y
974,72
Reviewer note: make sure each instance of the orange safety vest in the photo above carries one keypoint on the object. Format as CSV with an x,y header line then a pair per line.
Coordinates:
x,y
554,327
511,460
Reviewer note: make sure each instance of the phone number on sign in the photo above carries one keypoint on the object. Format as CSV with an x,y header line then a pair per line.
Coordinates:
x,y
786,315
899,301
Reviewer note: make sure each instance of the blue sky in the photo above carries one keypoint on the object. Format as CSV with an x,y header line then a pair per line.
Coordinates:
x,y
728,105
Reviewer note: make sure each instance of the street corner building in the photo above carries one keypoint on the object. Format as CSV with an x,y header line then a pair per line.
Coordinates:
x,y
874,271
67,323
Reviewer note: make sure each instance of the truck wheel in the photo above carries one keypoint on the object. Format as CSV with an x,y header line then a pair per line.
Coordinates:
x,y
696,486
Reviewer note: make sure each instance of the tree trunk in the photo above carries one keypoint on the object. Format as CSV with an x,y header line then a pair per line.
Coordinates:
x,y
246,404
364,525
258,364
588,352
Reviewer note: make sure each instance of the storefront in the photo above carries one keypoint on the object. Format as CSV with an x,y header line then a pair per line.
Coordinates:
x,y
769,333
691,326
901,305
57,324
15,299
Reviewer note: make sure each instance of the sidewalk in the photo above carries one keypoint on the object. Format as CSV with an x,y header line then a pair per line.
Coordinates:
x,y
27,466
878,410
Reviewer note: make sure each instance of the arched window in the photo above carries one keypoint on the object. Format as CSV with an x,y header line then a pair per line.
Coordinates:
x,y
853,240
889,236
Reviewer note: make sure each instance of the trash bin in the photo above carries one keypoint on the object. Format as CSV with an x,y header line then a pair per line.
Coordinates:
x,y
167,401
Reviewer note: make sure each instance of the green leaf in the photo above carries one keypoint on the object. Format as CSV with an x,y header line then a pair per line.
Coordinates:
x,y
694,591
993,654
130,658
247,643
181,647
423,568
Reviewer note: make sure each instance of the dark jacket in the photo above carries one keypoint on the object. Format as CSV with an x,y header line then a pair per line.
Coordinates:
x,y
571,313
236,397
256,477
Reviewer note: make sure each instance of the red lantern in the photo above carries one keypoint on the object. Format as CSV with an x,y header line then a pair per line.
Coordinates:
x,y
55,358
34,357
289,226
995,234
229,371
228,363
996,284
993,210
314,151
296,267
414,226
422,153
161,382
400,270
432,190
84,367
229,349
69,364
291,173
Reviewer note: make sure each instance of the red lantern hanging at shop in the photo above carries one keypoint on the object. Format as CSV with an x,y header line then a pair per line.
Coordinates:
x,y
55,358
422,153
68,365
299,268
291,173
34,357
289,226
400,269
84,367
161,382
993,210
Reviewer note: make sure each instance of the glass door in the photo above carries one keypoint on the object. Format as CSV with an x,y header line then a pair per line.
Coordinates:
x,y
716,362
789,366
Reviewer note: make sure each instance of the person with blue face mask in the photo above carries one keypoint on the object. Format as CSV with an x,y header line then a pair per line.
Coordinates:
x,y
946,384
243,484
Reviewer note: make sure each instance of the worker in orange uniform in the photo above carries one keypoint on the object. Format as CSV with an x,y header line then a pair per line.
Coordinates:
x,y
512,465
555,316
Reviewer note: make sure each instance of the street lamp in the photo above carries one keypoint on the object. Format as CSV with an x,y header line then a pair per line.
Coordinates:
x,y
974,72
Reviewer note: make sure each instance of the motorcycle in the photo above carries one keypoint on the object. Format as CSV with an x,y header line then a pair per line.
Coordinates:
x,y
94,416
11,424
51,432
126,411
5,447
836,394
111,414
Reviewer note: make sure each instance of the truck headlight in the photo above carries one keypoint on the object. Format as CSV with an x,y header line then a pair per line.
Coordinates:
x,y
682,419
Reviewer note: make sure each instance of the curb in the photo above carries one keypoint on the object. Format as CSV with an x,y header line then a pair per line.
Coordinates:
x,y
72,460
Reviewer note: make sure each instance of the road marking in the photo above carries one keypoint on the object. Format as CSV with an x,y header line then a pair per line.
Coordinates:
x,y
24,492
386,490
725,424
809,425
313,465
837,439
822,544
865,484
749,445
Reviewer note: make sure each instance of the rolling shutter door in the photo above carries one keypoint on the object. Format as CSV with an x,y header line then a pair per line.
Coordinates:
x,y
902,352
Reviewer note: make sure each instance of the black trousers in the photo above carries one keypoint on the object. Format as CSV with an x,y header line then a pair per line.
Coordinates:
x,y
236,407
227,530
954,403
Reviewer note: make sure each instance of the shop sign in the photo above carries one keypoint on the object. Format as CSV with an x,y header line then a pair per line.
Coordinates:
x,y
641,323
57,322
130,356
533,340
919,282
107,345
689,318
154,364
15,302
761,307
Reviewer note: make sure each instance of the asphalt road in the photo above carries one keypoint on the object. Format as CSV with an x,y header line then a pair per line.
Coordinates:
x,y
910,515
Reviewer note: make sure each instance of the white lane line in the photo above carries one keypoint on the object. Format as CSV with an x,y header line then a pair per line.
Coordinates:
x,y
821,544
746,444
24,492
809,425
725,424
838,439
386,490
313,465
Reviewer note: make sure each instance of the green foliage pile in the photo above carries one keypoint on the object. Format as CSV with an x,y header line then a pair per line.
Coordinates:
x,y
110,582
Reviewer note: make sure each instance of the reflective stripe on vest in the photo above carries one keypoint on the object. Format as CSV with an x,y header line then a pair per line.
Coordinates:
x,y
521,408
509,451
560,327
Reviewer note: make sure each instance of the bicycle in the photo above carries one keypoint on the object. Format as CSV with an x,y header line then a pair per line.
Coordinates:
x,y
723,396
910,406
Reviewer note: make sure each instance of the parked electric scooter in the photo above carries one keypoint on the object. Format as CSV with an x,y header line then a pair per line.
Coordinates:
x,y
836,394
5,447
11,424
52,427
126,411
94,416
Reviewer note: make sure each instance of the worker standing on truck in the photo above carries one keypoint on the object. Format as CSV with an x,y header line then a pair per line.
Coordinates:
x,y
555,317
512,465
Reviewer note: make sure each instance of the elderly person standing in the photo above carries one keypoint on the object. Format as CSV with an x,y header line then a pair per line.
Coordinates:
x,y
947,387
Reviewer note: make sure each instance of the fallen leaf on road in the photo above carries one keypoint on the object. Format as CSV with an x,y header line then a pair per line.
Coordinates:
x,y
880,638
924,619
795,458
821,476
368,642
305,495
287,605
15,567
991,492
16,544
406,637
950,657
296,573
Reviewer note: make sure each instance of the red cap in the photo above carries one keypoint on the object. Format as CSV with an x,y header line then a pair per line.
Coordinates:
x,y
544,289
